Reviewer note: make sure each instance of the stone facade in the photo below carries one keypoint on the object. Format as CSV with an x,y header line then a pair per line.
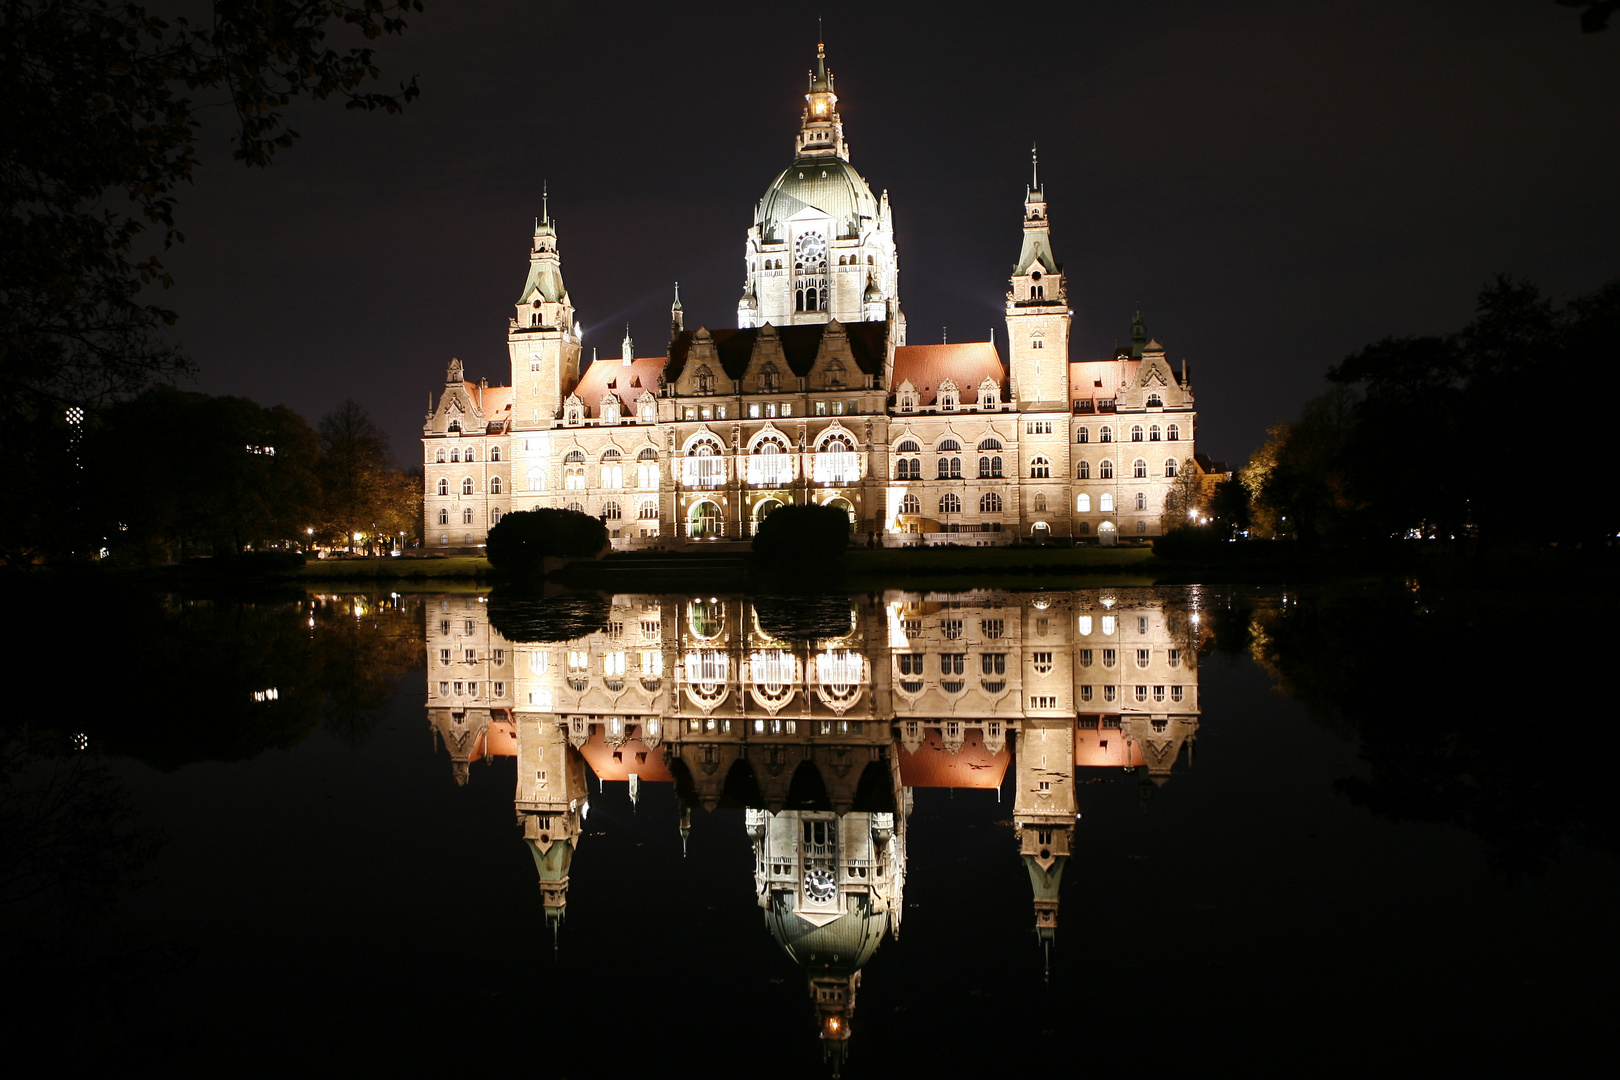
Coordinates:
x,y
816,397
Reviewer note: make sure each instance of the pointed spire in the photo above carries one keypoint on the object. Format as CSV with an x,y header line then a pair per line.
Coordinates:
x,y
1034,168
629,354
677,318
1138,333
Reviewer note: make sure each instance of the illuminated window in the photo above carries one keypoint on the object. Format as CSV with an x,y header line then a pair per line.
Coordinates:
x,y
1169,466
1141,501
494,485
467,486
1082,471
1173,432
1139,469
648,510
611,512
1105,434
537,479
439,457
705,380
1084,625
444,516
1082,504
1105,502
910,505
1105,470
1153,433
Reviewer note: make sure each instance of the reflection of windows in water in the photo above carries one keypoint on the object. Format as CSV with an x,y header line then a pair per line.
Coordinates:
x,y
993,628
1042,662
952,628
1085,657
1141,693
1143,656
1176,693
1108,693
993,663
1043,701
1109,658
952,663
911,663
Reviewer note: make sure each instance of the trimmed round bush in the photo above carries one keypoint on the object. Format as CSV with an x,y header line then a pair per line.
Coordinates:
x,y
522,540
802,535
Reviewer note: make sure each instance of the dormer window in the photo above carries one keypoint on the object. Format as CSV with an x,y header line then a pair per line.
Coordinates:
x,y
610,409
989,395
948,395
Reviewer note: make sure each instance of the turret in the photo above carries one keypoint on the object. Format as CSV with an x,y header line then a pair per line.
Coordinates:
x,y
677,318
821,132
1038,309
543,338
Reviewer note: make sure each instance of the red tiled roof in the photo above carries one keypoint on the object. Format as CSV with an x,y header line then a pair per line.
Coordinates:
x,y
633,757
499,739
970,767
1085,375
1105,747
626,383
496,404
969,364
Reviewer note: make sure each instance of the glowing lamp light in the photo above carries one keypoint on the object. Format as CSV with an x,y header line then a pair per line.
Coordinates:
x,y
833,1024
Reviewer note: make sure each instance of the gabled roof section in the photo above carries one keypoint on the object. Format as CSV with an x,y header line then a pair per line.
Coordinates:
x,y
800,346
613,376
967,364
1112,374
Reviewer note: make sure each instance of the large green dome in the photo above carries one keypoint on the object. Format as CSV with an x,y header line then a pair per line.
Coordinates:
x,y
839,948
829,184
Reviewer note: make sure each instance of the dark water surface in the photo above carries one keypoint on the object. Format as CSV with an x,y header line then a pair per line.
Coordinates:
x,y
1351,829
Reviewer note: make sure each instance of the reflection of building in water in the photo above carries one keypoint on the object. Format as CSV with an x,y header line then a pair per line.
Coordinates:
x,y
821,730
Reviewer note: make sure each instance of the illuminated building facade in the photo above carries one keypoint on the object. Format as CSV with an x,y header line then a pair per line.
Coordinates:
x,y
815,396
823,734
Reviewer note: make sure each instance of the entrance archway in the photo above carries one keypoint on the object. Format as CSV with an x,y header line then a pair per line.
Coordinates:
x,y
1106,534
843,504
765,509
1041,531
704,520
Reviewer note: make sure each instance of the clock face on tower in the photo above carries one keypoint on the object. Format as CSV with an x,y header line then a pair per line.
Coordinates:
x,y
812,251
819,884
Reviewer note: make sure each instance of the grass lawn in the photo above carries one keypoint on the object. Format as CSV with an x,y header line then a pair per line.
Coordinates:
x,y
466,566
900,561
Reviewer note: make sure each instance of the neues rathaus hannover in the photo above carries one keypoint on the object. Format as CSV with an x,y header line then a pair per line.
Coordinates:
x,y
814,396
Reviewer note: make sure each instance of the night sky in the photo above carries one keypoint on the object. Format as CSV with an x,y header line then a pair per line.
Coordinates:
x,y
1276,183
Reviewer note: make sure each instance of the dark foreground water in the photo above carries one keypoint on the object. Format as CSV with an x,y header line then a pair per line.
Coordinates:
x,y
948,834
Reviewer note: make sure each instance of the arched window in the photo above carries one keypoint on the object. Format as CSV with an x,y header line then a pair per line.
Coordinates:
x,y
1170,466
1136,433
1105,502
911,505
1105,434
1141,526
466,516
990,503
439,457
537,479
472,454
950,468
989,444
444,487
949,446
769,378
1153,433
610,409
770,464
494,485
1040,504
647,468
1082,504
1082,435
612,469
455,454
1141,500
1154,401
467,486
444,516
576,507
495,515
703,465
1105,470
610,511
1082,471
950,504
648,510
494,453
1139,469
908,446
1040,468
835,375
947,397
836,462
1173,432
574,456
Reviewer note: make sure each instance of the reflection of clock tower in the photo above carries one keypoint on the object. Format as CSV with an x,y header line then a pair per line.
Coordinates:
x,y
551,802
1044,812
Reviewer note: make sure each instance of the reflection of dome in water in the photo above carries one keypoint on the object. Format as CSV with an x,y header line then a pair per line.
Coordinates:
x,y
840,947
